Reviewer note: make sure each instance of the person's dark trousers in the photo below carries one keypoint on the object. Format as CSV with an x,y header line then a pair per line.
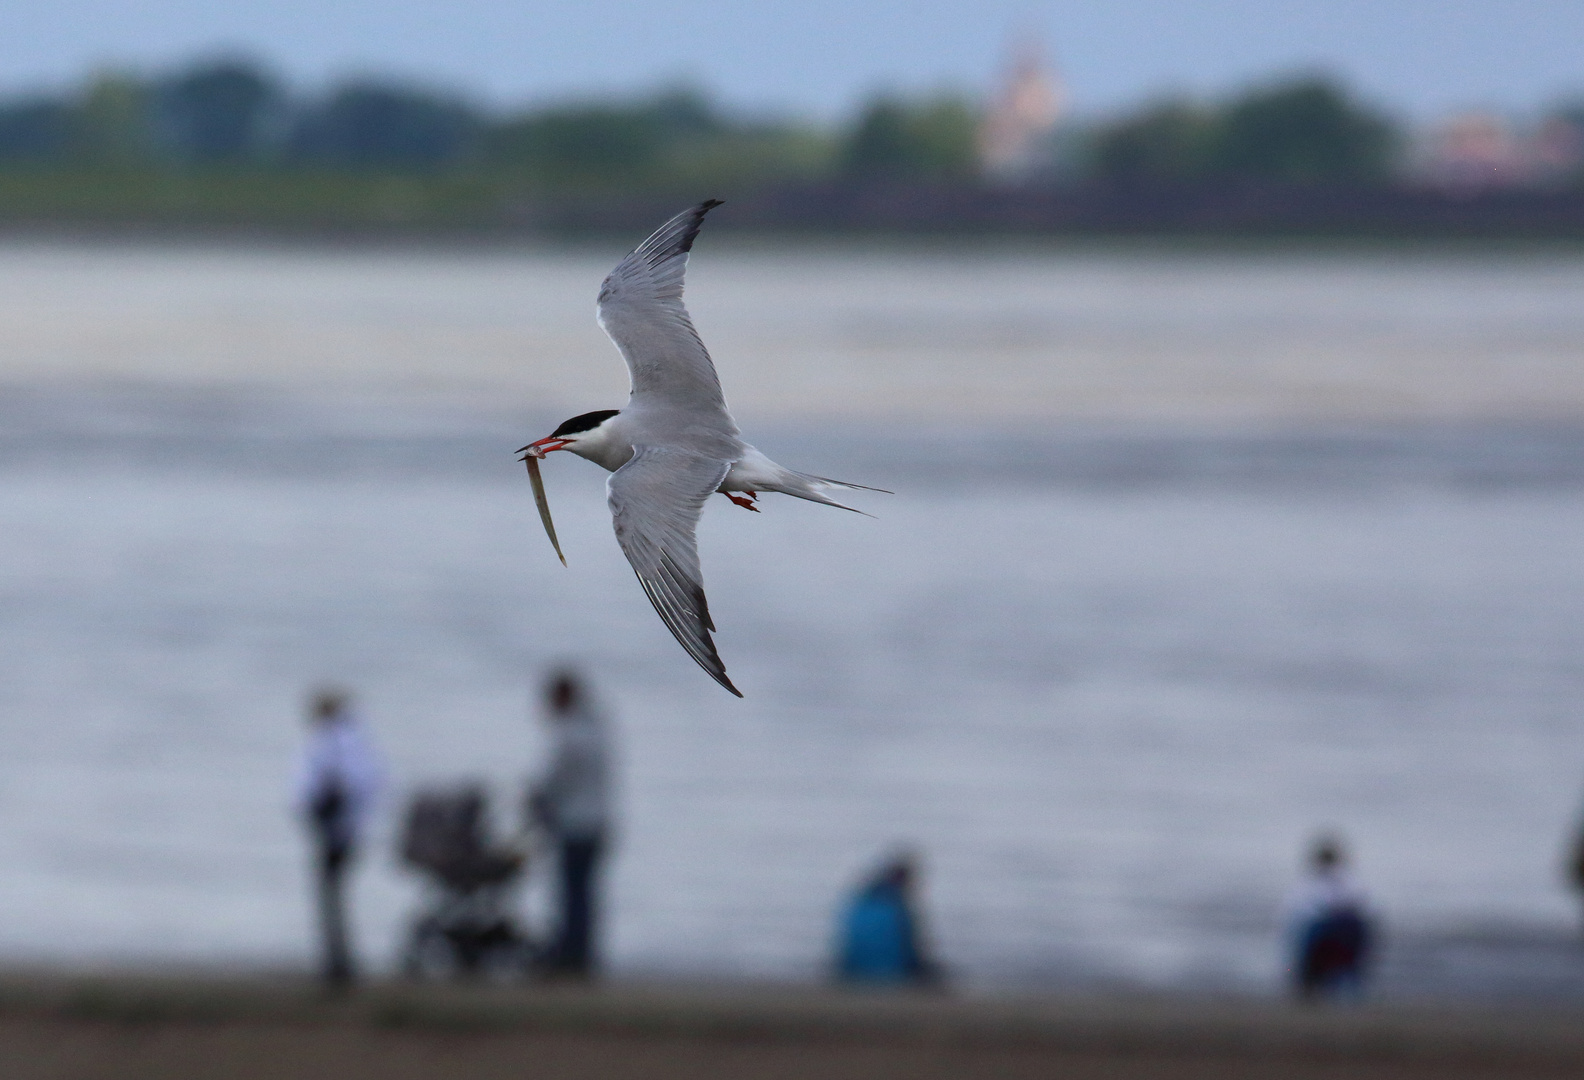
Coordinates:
x,y
574,948
337,965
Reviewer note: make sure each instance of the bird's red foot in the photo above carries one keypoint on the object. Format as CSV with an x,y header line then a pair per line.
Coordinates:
x,y
745,503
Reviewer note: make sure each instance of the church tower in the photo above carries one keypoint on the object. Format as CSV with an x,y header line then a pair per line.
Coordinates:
x,y
1015,132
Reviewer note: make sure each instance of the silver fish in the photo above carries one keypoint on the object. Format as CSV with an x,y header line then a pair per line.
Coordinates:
x,y
532,461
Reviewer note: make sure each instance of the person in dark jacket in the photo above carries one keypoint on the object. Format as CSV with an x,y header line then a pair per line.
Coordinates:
x,y
880,939
572,803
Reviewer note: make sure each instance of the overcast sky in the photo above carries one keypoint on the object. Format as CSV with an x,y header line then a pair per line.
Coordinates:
x,y
817,57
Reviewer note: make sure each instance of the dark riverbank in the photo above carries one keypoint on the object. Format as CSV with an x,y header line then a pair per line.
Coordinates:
x,y
288,204
176,1027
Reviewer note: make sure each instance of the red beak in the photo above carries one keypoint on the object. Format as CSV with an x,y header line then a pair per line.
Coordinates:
x,y
541,447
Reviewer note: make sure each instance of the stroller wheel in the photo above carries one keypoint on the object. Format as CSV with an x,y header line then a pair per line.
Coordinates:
x,y
509,959
430,956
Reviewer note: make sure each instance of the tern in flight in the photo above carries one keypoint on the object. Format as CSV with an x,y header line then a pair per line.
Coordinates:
x,y
674,445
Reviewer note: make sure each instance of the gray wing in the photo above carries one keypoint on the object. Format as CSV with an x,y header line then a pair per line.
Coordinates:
x,y
655,501
640,307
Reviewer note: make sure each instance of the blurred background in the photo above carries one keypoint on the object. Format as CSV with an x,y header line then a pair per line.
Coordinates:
x,y
1226,359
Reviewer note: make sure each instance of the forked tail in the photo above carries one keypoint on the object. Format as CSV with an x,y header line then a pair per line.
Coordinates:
x,y
805,486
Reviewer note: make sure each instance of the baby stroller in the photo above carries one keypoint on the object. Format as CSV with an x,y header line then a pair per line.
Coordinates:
x,y
467,928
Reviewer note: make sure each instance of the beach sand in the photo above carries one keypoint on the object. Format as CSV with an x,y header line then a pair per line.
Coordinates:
x,y
171,1028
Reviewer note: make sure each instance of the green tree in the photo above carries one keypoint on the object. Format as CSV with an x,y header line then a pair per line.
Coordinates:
x,y
579,143
370,125
113,121
894,139
1306,130
219,111
34,130
607,142
1173,140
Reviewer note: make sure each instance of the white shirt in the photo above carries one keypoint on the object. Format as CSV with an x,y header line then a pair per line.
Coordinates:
x,y
340,753
577,785
1321,893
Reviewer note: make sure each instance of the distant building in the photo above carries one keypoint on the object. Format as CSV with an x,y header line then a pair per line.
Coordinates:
x,y
1015,134
1474,151
1559,148
1478,151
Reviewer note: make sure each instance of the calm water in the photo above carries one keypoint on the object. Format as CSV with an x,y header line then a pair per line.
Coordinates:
x,y
1108,676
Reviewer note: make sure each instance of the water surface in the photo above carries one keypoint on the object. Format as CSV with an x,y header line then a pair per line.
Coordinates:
x,y
1110,655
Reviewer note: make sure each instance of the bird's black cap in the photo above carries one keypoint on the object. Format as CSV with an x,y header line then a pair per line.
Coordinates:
x,y
584,422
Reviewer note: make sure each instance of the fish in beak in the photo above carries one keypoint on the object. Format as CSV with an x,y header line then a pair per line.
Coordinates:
x,y
530,457
541,447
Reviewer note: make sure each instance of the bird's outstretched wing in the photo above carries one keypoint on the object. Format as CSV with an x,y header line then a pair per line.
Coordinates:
x,y
640,307
655,502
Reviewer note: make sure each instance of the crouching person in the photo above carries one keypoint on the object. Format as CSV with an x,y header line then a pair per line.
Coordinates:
x,y
880,939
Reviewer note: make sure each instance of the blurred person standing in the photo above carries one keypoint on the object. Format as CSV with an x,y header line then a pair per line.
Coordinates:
x,y
880,939
1575,864
571,801
1329,927
338,782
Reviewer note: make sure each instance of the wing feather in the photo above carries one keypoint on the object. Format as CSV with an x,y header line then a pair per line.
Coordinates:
x,y
640,307
655,502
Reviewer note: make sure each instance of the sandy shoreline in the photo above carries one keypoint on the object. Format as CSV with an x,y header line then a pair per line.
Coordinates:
x,y
177,1027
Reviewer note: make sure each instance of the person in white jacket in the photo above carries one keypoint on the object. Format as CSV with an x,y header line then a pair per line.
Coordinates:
x,y
1329,927
572,802
337,786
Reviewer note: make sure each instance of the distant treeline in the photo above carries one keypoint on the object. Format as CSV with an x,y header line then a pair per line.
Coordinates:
x,y
225,140
1307,131
233,115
